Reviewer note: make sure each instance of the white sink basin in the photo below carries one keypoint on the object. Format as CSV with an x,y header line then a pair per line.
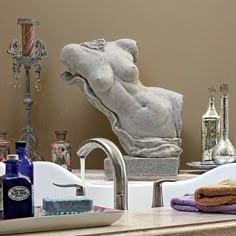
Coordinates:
x,y
139,193
47,173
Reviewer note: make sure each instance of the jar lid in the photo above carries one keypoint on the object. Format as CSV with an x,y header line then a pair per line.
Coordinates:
x,y
13,157
4,132
64,132
3,135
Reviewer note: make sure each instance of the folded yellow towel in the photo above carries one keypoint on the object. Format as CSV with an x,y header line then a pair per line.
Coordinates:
x,y
218,194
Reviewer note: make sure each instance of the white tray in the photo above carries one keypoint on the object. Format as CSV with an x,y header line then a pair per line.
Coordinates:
x,y
202,165
99,217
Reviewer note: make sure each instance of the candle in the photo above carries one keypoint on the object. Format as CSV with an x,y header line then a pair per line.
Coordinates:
x,y
27,27
27,40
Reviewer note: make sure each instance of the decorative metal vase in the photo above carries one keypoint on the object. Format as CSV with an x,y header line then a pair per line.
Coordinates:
x,y
4,146
210,128
224,151
61,150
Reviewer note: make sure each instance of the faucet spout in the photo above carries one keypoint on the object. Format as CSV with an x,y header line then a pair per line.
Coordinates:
x,y
118,168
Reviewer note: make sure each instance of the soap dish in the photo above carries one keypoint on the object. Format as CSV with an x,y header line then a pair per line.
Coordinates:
x,y
100,216
202,165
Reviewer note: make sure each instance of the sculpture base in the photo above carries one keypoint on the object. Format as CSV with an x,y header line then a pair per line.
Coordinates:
x,y
146,168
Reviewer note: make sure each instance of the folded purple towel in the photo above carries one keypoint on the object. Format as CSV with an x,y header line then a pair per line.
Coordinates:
x,y
187,203
227,209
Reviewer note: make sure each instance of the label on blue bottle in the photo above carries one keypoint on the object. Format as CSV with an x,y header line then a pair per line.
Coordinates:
x,y
18,193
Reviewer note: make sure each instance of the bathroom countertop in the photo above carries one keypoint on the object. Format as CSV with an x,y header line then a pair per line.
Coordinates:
x,y
99,175
159,221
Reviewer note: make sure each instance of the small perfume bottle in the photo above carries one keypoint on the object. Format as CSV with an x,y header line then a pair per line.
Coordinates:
x,y
224,151
209,128
4,146
61,150
17,191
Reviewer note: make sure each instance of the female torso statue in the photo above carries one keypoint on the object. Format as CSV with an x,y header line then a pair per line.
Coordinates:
x,y
147,120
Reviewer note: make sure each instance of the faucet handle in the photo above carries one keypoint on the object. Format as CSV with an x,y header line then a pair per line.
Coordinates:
x,y
157,199
80,190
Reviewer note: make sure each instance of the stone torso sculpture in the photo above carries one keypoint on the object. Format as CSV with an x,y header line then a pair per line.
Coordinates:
x,y
147,120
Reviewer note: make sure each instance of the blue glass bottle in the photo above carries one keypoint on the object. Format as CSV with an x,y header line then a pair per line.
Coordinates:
x,y
26,165
17,191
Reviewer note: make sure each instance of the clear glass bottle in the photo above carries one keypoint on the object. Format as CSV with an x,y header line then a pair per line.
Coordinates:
x,y
224,151
209,128
61,150
17,191
4,146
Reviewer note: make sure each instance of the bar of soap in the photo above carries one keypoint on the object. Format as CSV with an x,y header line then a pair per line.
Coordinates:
x,y
232,180
67,205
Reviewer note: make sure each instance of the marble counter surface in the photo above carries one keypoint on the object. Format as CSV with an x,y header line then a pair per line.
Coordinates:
x,y
159,221
99,175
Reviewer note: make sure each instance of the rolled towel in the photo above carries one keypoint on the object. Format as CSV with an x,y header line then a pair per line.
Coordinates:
x,y
214,195
67,205
185,203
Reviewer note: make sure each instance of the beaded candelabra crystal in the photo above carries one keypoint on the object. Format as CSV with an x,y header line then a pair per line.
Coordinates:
x,y
29,53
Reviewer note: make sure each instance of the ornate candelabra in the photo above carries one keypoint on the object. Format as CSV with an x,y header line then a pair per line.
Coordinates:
x,y
29,53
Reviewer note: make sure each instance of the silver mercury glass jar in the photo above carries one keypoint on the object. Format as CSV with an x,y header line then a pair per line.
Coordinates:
x,y
224,151
210,128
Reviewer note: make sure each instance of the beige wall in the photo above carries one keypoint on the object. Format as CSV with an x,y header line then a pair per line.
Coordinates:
x,y
185,46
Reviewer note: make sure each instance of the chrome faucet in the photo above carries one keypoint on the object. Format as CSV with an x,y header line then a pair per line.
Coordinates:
x,y
118,167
